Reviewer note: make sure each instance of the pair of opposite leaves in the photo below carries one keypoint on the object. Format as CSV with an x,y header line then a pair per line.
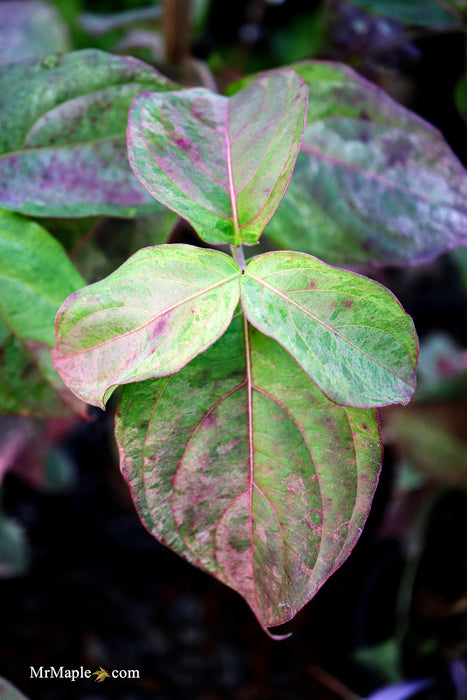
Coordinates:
x,y
224,165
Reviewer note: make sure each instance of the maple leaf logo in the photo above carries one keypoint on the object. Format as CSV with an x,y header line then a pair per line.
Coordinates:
x,y
101,675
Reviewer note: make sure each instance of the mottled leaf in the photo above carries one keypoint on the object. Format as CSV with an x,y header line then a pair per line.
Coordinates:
x,y
35,277
160,309
373,182
222,163
30,29
423,13
349,333
62,134
248,471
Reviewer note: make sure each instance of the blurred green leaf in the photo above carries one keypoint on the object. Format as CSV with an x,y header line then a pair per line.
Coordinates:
x,y
63,135
13,552
35,277
30,29
96,24
373,182
383,659
424,13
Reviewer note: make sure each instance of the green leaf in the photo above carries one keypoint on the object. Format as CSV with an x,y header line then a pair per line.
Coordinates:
x,y
248,471
35,277
431,435
460,95
373,183
222,164
349,333
30,29
161,308
62,134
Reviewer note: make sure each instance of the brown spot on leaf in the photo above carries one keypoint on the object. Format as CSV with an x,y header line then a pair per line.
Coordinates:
x,y
348,302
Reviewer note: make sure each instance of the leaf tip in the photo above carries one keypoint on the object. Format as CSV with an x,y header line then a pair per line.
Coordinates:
x,y
276,637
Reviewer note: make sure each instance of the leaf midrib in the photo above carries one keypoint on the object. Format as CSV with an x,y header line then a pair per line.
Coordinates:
x,y
230,180
186,300
320,322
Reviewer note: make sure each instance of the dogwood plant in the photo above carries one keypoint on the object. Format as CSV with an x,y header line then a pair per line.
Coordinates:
x,y
246,425
248,386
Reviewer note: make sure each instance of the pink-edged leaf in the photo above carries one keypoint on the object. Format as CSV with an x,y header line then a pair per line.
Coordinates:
x,y
248,471
221,163
35,277
155,313
373,183
62,134
349,333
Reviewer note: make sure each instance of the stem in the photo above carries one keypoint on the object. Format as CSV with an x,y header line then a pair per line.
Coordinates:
x,y
237,253
176,28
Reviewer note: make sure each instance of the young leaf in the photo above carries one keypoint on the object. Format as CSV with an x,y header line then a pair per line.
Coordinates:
x,y
349,333
373,182
30,29
62,134
222,164
248,471
161,308
35,277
